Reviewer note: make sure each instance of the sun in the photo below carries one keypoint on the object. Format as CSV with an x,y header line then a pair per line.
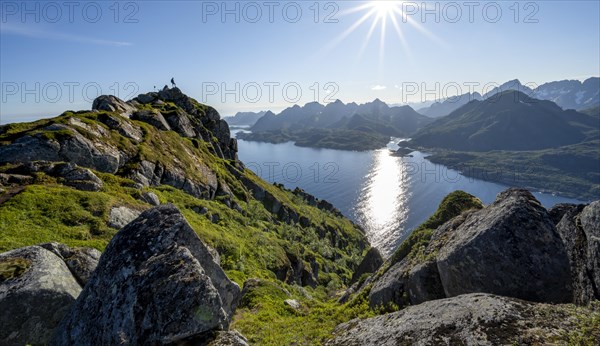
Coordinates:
x,y
385,8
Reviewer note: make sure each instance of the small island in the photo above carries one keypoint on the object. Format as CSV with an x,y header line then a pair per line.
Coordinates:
x,y
339,139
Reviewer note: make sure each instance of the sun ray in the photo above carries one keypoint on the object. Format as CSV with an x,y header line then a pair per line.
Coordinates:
x,y
400,34
348,31
368,39
381,13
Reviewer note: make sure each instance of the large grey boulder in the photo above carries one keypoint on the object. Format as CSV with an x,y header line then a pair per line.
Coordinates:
x,y
156,283
590,222
123,127
81,261
471,319
78,177
30,148
414,279
580,231
63,143
179,121
509,248
152,117
119,217
36,291
112,103
423,283
390,288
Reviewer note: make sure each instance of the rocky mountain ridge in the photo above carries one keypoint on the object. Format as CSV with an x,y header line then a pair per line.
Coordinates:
x,y
568,94
195,226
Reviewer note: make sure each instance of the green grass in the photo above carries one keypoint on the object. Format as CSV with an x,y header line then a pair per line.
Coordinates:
x,y
249,246
581,324
265,319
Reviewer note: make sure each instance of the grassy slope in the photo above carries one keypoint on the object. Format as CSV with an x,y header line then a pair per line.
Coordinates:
x,y
251,244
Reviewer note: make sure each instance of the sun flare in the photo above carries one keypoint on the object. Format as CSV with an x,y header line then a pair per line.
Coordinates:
x,y
385,8
382,17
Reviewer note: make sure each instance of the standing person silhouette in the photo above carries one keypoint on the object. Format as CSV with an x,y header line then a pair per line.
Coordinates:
x,y
173,82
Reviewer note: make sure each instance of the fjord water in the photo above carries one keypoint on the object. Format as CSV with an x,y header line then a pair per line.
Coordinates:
x,y
387,195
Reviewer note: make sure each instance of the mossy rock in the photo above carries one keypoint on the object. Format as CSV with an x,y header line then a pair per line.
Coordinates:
x,y
12,268
450,207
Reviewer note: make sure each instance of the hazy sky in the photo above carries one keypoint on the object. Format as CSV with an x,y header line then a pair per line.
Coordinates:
x,y
260,55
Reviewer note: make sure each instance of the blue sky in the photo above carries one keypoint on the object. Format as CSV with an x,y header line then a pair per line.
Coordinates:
x,y
56,56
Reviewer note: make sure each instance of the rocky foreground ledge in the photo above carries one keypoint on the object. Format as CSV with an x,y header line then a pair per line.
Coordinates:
x,y
156,283
509,273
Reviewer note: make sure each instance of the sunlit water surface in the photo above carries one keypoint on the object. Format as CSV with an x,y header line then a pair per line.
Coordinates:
x,y
387,195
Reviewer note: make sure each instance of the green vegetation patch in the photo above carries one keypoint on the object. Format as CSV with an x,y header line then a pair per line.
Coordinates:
x,y
265,319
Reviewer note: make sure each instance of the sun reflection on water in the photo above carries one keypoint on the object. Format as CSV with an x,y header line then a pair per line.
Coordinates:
x,y
383,207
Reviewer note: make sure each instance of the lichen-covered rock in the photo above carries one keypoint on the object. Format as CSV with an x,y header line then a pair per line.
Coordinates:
x,y
112,103
30,148
81,261
180,123
123,127
17,179
206,122
156,283
152,117
292,303
390,288
62,143
559,210
580,231
229,338
590,222
150,198
424,284
36,290
78,177
509,248
148,173
119,217
470,319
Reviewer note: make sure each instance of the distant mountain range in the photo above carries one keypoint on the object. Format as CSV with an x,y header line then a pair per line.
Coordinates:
x,y
337,125
244,118
568,94
440,109
511,116
510,120
375,117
